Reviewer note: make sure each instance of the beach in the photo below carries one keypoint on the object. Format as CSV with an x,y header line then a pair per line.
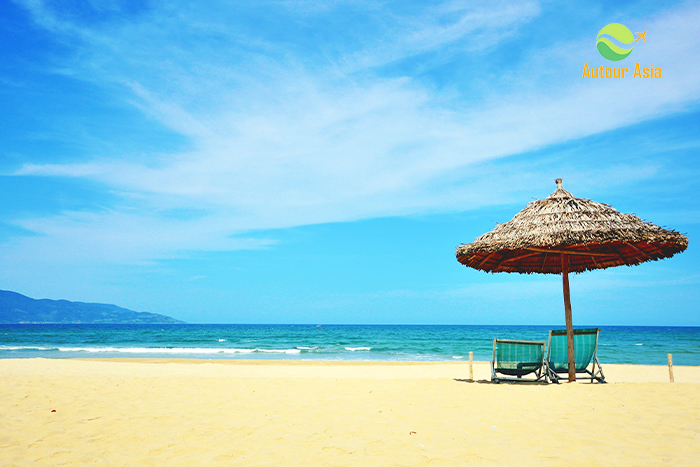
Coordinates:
x,y
293,413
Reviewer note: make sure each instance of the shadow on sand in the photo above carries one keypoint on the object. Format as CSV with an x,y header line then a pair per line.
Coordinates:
x,y
487,381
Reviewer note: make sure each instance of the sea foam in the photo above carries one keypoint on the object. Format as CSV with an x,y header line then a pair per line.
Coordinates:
x,y
174,350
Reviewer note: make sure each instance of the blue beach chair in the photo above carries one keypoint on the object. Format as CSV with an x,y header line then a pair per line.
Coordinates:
x,y
513,359
585,354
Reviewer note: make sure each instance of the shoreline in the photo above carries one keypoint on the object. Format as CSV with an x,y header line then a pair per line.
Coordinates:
x,y
423,343
343,369
263,412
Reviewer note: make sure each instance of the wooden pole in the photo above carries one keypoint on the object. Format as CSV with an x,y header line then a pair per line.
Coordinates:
x,y
569,321
670,367
471,369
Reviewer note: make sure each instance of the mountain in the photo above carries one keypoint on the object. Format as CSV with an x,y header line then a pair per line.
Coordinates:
x,y
16,308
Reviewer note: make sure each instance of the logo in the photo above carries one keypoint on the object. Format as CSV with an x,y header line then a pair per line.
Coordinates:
x,y
610,51
607,48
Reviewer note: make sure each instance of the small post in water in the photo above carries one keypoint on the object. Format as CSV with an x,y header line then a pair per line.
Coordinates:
x,y
670,367
471,368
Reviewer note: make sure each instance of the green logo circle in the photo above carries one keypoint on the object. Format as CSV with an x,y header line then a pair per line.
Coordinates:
x,y
607,48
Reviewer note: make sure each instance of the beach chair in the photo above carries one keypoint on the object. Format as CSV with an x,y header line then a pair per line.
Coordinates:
x,y
585,354
513,359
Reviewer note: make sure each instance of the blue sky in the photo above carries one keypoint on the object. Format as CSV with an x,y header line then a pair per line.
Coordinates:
x,y
320,161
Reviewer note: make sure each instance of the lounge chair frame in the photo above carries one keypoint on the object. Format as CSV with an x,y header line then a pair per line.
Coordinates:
x,y
594,373
522,368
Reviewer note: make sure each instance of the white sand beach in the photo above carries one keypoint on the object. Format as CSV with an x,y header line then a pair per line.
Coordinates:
x,y
196,412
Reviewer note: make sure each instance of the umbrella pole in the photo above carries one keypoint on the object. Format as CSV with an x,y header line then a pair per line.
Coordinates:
x,y
569,321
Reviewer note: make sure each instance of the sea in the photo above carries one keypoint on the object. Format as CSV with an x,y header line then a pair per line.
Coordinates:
x,y
617,344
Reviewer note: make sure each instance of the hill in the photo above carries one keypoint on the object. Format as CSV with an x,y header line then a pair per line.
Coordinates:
x,y
16,308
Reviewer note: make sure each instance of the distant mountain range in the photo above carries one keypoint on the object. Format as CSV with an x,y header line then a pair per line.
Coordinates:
x,y
16,308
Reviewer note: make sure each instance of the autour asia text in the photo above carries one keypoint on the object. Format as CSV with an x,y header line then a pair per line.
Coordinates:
x,y
607,72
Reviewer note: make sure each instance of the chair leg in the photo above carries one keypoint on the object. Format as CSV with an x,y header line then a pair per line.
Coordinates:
x,y
598,373
551,375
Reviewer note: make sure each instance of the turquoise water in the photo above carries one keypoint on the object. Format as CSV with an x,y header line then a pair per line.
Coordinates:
x,y
617,344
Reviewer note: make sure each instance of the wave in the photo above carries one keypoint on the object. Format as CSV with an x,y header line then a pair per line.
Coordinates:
x,y
180,350
157,350
10,347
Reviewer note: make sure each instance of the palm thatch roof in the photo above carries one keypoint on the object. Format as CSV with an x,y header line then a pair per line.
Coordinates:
x,y
593,236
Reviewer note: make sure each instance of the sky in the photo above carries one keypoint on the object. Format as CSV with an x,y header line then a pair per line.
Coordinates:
x,y
320,161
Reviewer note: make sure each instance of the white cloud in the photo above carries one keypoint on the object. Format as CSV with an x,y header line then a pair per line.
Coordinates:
x,y
123,237
278,141
475,26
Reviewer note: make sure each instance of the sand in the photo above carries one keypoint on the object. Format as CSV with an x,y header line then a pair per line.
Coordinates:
x,y
258,413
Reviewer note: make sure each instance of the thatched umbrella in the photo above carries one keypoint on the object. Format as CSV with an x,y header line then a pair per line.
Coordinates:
x,y
562,234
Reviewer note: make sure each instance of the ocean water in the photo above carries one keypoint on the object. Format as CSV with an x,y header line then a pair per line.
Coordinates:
x,y
617,344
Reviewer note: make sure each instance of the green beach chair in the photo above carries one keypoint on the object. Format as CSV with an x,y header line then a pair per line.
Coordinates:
x,y
585,354
513,359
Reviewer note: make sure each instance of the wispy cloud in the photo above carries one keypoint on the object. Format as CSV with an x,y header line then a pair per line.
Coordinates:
x,y
473,27
283,136
124,237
